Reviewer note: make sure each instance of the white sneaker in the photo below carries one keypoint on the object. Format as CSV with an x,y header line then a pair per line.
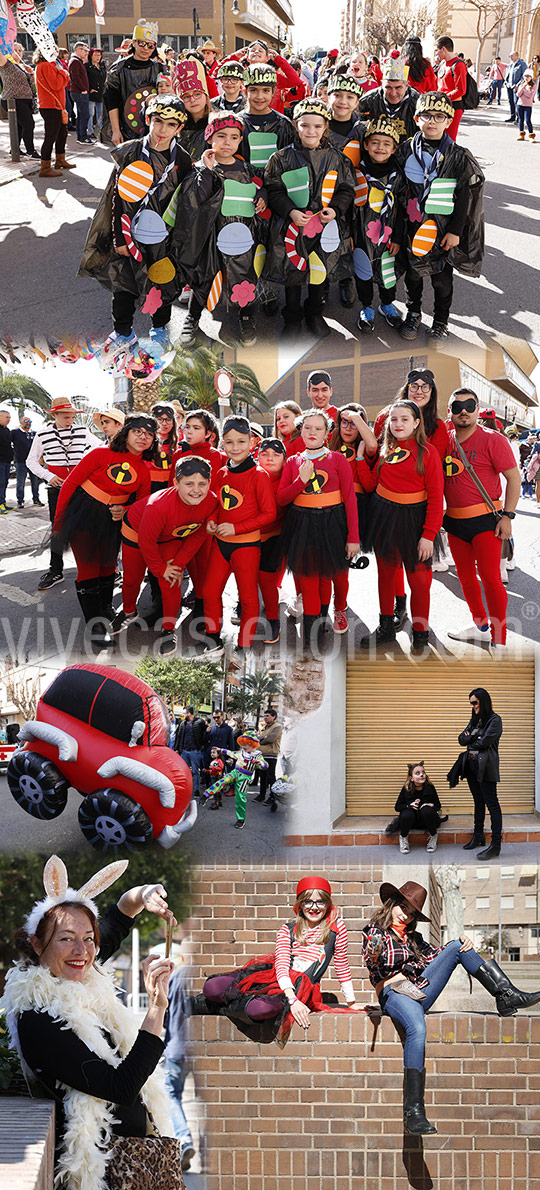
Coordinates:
x,y
404,845
471,633
432,843
440,566
511,563
295,608
504,571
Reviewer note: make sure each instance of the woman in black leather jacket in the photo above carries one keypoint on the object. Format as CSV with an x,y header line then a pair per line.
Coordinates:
x,y
481,739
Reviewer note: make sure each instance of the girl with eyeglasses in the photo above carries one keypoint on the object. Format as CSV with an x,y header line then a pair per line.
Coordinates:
x,y
480,766
89,514
266,996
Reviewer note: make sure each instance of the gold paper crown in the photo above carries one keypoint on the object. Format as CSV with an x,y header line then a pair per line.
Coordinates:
x,y
311,107
170,107
231,70
395,70
145,30
260,74
435,101
345,82
382,126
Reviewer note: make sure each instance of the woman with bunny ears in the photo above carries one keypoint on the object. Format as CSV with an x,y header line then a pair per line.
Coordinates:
x,y
76,1038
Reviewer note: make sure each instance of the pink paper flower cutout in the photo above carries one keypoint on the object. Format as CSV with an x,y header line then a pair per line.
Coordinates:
x,y
313,228
153,301
373,232
243,294
413,211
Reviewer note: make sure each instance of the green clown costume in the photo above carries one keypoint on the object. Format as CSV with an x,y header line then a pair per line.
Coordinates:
x,y
246,760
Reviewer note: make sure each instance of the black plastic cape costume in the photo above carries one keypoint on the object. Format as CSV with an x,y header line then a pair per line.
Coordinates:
x,y
373,105
193,137
127,89
216,244
309,180
149,264
376,212
263,136
429,209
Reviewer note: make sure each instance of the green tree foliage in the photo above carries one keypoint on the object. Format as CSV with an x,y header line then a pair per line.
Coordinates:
x,y
190,380
179,681
256,692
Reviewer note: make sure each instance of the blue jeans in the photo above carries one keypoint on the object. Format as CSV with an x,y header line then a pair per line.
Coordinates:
x,y
96,109
496,88
4,476
83,115
512,101
524,115
175,1077
193,760
21,471
411,1013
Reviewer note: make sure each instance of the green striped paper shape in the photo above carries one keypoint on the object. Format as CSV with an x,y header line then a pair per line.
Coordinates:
x,y
440,200
296,182
388,272
261,147
238,198
169,216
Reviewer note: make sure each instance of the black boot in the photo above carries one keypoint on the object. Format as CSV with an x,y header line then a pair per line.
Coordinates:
x,y
316,324
478,840
325,626
106,589
271,635
89,596
200,1006
383,635
419,643
151,617
507,997
491,852
309,634
414,1116
400,610
197,611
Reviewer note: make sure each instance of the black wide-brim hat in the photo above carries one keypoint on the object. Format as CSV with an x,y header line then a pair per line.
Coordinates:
x,y
410,892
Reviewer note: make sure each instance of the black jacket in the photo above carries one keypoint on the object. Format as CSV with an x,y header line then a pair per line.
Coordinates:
x,y
482,743
199,732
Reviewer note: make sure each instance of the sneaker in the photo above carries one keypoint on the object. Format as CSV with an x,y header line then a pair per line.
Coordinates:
x,y
439,567
121,620
168,642
504,571
511,563
189,332
239,824
118,345
213,647
270,308
295,608
340,623
404,845
38,503
19,506
271,635
247,330
439,330
49,579
432,843
187,1154
185,295
366,320
160,335
237,614
391,315
3,509
471,633
409,328
230,333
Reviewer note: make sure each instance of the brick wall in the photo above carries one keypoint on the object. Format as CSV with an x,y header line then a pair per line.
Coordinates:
x,y
326,1112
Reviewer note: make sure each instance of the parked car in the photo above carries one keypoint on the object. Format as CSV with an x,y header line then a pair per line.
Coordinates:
x,y
105,733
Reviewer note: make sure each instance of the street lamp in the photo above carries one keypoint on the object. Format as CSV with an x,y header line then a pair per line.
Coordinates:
x,y
235,9
278,36
196,26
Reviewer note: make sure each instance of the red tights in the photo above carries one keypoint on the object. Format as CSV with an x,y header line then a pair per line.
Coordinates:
x,y
316,591
89,566
134,570
244,564
482,558
419,581
269,584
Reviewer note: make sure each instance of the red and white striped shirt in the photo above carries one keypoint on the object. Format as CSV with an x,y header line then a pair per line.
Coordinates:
x,y
300,956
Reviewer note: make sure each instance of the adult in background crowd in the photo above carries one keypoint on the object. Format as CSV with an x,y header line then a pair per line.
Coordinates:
x,y
6,455
189,742
15,77
452,80
395,99
127,76
210,54
22,438
421,73
97,74
270,742
176,1059
220,734
514,73
79,88
51,82
496,75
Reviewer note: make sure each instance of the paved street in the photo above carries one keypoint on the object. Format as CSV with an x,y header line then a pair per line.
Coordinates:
x,y
43,224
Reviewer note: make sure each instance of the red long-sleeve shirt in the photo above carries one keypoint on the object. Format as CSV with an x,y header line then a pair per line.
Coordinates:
x,y
402,478
216,458
116,474
333,474
246,499
274,527
164,517
439,438
293,446
300,955
452,79
349,454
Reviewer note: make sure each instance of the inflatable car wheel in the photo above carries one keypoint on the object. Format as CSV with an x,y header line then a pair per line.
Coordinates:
x,y
37,785
111,820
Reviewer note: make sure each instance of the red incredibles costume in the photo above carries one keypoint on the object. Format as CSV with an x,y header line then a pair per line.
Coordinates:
x,y
216,458
161,468
272,564
470,524
102,478
405,507
321,518
157,530
247,501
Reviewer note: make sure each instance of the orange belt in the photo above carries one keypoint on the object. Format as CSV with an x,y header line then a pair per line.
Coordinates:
x,y
129,534
267,536
358,488
318,500
159,473
104,497
401,497
241,539
461,514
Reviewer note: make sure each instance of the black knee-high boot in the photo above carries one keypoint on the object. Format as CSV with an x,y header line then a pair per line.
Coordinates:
x,y
414,1115
156,610
507,997
89,596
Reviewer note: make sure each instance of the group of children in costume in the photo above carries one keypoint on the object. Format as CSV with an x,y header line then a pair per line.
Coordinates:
x,y
232,203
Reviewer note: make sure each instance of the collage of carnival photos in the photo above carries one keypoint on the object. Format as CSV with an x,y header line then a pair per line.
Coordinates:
x,y
269,603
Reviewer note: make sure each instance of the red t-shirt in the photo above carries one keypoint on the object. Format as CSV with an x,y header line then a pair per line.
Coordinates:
x,y
489,453
398,474
164,517
438,439
333,473
116,474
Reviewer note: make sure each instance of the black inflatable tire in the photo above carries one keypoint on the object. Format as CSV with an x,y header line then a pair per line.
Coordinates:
x,y
37,785
111,821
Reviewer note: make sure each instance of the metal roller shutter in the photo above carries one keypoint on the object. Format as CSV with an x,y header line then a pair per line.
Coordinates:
x,y
398,712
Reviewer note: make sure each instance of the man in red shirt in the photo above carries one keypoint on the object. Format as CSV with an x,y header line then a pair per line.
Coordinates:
x,y
320,392
475,532
452,79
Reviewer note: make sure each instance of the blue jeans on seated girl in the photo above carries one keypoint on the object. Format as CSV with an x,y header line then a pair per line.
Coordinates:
x,y
411,1013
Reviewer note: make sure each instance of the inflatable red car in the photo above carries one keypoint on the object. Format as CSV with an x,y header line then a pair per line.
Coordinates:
x,y
105,733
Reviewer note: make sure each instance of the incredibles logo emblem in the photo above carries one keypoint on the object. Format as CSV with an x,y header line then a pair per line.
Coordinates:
x,y
184,530
163,460
398,455
230,498
452,467
348,452
316,483
122,474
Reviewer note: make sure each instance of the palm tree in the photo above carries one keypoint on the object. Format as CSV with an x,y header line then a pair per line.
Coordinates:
x,y
190,380
23,392
255,689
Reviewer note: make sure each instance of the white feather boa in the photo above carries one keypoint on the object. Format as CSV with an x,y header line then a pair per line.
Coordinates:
x,y
86,1008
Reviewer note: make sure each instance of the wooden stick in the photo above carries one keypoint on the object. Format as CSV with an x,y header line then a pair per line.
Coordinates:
x,y
168,938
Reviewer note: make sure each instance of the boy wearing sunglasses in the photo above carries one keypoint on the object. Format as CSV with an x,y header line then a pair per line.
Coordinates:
x,y
475,532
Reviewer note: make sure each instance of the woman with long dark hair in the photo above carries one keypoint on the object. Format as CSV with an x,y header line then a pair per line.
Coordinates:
x,y
480,765
409,974
421,73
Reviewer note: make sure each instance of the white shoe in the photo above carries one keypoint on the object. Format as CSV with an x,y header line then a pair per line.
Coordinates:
x,y
439,566
471,633
504,572
404,845
511,563
432,843
295,608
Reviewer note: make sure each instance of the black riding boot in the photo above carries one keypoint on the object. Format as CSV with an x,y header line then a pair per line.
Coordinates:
x,y
507,997
478,840
106,589
414,1116
89,596
400,610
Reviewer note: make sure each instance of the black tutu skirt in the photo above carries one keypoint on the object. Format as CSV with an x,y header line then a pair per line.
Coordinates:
x,y
394,531
363,501
88,523
271,554
313,540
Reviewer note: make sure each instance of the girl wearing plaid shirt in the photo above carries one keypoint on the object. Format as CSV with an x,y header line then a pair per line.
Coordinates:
x,y
409,974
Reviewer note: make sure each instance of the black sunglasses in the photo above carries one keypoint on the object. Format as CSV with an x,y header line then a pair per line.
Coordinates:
x,y
468,406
